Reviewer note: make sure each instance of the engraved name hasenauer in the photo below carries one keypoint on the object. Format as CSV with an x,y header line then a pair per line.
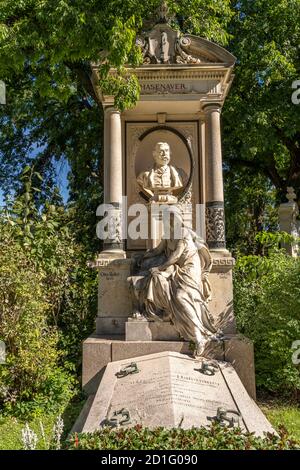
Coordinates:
x,y
164,88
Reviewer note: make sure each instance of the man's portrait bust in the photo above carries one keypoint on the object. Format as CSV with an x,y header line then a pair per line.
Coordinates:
x,y
163,179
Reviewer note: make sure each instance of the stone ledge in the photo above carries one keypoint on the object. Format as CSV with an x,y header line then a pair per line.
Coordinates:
x,y
103,262
98,351
143,330
111,325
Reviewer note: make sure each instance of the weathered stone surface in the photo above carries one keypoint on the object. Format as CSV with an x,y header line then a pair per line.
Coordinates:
x,y
132,349
113,279
110,325
143,330
114,301
239,351
172,390
98,351
221,304
96,354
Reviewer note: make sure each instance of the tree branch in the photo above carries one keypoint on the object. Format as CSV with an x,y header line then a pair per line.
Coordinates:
x,y
268,169
84,76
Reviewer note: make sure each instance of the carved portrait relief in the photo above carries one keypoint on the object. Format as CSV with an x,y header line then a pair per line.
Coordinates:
x,y
163,181
161,167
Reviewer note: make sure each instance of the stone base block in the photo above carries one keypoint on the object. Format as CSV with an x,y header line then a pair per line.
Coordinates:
x,y
143,330
239,351
96,354
98,351
110,325
220,278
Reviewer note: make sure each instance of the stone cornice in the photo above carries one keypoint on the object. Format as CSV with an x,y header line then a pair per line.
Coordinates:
x,y
222,264
179,74
217,70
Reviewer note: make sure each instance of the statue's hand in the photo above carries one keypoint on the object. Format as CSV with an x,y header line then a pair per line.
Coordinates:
x,y
154,270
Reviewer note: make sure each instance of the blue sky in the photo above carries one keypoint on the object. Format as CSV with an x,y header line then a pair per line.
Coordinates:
x,y
62,169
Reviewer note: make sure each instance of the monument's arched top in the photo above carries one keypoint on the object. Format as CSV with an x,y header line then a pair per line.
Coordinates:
x,y
168,47
180,73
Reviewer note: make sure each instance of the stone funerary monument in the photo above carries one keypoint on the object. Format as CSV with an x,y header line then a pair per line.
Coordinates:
x,y
157,295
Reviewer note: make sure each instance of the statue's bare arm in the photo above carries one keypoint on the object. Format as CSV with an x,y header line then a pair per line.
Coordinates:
x,y
156,251
174,257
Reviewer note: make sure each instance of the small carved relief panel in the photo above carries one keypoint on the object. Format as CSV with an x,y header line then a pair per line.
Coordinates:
x,y
215,225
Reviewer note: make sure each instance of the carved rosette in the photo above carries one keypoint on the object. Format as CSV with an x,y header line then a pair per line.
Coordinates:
x,y
215,224
183,57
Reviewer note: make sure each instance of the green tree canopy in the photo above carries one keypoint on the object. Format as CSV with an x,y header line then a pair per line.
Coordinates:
x,y
261,124
52,113
46,49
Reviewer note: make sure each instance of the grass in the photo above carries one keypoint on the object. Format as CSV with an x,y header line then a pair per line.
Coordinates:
x,y
283,413
11,432
11,428
277,412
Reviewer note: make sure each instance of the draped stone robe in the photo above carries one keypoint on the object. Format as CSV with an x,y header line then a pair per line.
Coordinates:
x,y
179,292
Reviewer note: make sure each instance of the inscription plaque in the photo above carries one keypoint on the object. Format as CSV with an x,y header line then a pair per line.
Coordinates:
x,y
174,390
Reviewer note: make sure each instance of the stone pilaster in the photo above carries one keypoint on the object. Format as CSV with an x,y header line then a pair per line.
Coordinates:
x,y
215,221
113,179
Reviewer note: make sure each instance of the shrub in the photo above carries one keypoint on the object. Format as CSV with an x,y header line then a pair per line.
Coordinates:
x,y
30,378
47,306
213,438
267,308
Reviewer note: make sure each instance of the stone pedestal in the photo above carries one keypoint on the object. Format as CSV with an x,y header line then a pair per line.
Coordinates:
x,y
115,304
98,351
114,300
143,330
220,278
156,220
172,390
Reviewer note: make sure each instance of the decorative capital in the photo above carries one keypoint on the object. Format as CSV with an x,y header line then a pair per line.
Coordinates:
x,y
108,110
211,107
